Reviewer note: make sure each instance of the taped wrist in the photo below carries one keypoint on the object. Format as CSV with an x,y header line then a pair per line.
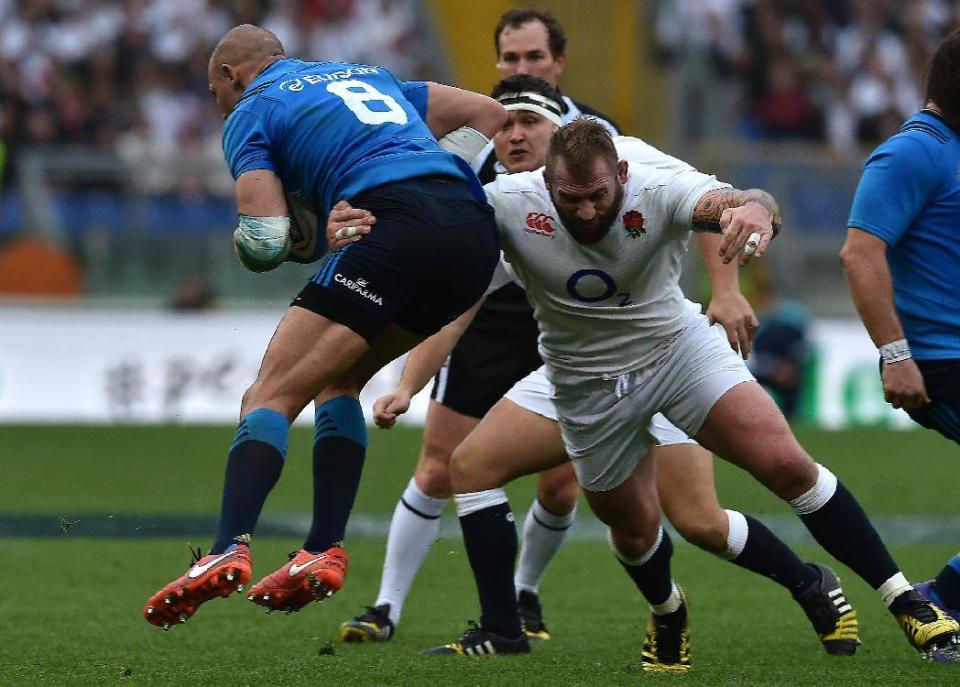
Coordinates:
x,y
895,351
465,142
262,243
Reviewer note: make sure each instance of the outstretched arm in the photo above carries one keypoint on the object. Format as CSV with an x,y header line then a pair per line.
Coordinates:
x,y
423,362
738,215
727,304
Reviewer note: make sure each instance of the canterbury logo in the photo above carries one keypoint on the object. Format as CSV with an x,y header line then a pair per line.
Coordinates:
x,y
198,570
539,223
296,568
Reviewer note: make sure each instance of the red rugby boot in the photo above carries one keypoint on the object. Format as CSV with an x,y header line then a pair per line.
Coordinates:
x,y
307,577
207,578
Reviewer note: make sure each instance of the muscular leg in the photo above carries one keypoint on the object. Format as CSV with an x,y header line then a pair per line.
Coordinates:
x,y
547,524
488,459
688,495
557,488
643,548
491,456
445,429
631,510
689,499
307,353
416,519
745,427
340,441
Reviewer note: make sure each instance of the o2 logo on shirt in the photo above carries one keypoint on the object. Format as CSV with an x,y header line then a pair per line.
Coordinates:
x,y
593,286
359,96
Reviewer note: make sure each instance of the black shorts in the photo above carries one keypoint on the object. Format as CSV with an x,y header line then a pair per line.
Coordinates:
x,y
942,379
493,354
430,257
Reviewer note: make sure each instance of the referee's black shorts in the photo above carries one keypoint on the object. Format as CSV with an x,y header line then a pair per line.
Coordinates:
x,y
489,359
429,258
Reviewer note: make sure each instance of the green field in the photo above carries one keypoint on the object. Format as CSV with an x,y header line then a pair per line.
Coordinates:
x,y
70,606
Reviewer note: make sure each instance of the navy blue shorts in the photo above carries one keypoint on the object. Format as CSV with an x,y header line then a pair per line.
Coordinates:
x,y
430,257
942,379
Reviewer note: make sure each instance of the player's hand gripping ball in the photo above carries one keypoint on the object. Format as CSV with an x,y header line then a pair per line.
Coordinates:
x,y
262,243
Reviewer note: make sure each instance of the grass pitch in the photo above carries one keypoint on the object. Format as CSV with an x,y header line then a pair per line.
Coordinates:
x,y
70,610
71,616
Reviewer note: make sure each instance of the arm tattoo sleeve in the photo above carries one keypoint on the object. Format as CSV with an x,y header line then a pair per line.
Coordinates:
x,y
706,214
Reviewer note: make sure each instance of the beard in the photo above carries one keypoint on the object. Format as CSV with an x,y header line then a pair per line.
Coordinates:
x,y
596,228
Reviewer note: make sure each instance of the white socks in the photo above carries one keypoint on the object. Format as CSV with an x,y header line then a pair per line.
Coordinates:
x,y
413,529
737,532
478,500
543,535
817,496
893,588
671,604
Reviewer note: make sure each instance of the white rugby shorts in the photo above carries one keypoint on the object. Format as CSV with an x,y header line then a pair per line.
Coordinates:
x,y
606,422
534,393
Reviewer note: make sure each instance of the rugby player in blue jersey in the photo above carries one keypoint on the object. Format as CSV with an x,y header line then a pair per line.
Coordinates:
x,y
299,137
902,262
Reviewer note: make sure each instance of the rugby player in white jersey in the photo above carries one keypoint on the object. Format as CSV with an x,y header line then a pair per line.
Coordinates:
x,y
684,470
498,349
621,344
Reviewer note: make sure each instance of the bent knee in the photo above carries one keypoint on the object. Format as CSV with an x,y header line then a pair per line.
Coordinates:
x,y
635,542
341,387
471,471
257,396
558,497
709,533
432,475
788,474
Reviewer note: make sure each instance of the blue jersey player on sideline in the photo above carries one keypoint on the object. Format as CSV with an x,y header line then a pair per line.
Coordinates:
x,y
902,263
300,137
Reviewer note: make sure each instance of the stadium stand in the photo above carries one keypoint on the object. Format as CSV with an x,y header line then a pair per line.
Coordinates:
x,y
110,147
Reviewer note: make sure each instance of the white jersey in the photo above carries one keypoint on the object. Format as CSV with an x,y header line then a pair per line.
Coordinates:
x,y
606,307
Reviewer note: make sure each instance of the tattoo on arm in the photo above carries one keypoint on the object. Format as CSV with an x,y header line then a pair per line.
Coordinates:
x,y
710,207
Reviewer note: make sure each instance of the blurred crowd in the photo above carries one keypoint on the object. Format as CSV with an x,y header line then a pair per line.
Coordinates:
x,y
844,72
131,74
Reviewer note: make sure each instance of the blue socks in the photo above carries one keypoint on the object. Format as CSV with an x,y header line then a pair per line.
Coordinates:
x,y
339,447
253,468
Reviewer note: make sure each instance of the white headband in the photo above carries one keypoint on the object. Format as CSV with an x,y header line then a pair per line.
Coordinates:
x,y
533,102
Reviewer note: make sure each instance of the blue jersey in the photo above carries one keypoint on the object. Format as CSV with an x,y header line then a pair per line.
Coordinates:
x,y
909,196
330,131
